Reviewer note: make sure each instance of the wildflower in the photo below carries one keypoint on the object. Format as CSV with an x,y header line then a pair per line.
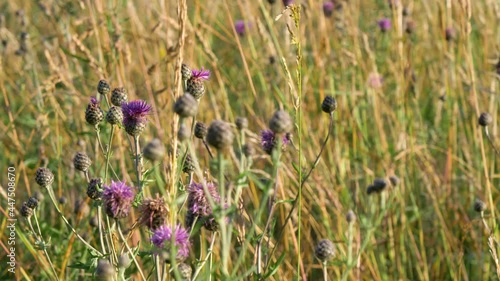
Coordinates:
x,y
26,211
485,119
240,27
281,122
94,189
185,72
186,106
220,135
268,140
103,87
375,81
479,206
93,113
384,24
329,104
241,123
325,250
184,133
154,150
81,161
44,177
450,34
162,238
287,2
114,115
134,116
118,96
118,198
328,8
194,85
199,207
200,130
153,212
104,271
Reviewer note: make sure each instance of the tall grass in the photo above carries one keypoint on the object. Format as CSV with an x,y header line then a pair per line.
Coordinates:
x,y
408,106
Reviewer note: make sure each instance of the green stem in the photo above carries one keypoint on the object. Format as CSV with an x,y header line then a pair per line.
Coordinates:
x,y
40,238
209,254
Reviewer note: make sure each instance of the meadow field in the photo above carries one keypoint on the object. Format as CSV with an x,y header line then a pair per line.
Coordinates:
x,y
249,140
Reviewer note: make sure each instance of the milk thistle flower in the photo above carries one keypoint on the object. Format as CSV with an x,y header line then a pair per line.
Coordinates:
x,y
268,140
134,116
118,198
162,238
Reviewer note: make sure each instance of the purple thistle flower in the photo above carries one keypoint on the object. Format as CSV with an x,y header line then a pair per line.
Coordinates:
x,y
268,140
94,101
328,8
162,238
384,24
240,27
134,116
200,74
117,199
198,203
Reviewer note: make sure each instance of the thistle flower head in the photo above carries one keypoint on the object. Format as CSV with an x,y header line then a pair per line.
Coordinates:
x,y
153,212
325,250
118,198
162,238
328,8
384,24
134,116
240,27
198,203
202,74
268,140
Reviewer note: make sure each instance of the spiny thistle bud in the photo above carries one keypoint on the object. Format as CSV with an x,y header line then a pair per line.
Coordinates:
x,y
220,135
248,150
103,87
118,96
104,271
194,85
200,130
114,115
26,211
81,161
241,123
350,216
186,106
32,202
281,122
184,133
94,189
185,272
44,177
62,200
485,119
154,150
329,104
93,113
325,250
479,206
186,72
394,180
